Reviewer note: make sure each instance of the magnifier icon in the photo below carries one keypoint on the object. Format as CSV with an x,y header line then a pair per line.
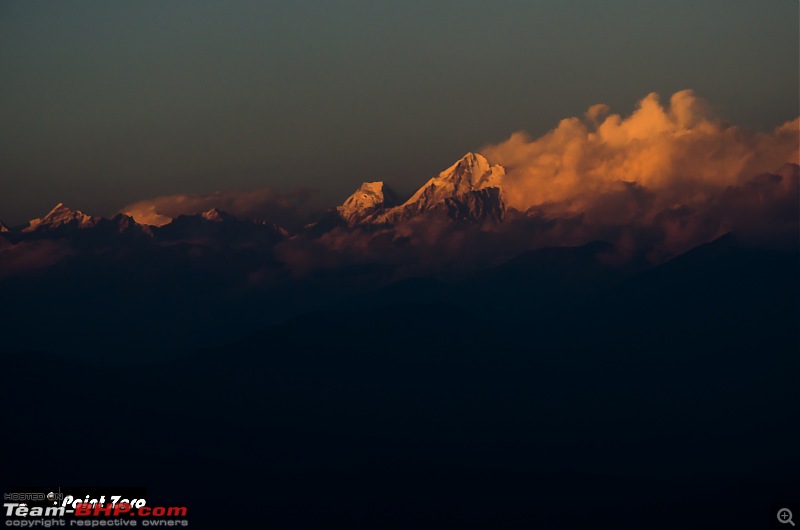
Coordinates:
x,y
785,516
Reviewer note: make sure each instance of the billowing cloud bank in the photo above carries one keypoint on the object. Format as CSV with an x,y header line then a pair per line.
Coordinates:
x,y
676,150
667,176
290,210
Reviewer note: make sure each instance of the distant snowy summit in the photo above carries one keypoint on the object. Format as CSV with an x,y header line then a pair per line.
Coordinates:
x,y
469,190
213,225
61,216
471,173
372,199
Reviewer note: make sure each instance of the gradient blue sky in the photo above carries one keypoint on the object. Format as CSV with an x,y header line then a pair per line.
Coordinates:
x,y
104,103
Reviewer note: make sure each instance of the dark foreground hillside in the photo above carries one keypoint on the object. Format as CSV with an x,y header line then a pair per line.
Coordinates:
x,y
668,399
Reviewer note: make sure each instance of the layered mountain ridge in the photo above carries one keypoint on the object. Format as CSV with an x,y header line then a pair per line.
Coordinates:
x,y
471,192
468,191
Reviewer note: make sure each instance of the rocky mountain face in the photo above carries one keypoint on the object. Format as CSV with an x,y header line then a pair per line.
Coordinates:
x,y
478,205
468,191
471,173
371,200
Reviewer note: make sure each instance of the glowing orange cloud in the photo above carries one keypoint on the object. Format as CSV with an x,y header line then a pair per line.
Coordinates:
x,y
677,151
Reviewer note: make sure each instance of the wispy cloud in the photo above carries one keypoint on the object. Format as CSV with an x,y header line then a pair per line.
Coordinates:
x,y
291,210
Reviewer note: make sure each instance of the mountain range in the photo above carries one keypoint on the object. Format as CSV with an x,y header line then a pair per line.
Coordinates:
x,y
211,276
468,191
470,195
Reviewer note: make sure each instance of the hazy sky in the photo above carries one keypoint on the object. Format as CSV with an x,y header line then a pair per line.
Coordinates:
x,y
104,103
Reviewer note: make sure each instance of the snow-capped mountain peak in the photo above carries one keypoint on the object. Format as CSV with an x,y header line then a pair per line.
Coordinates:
x,y
472,172
369,198
470,189
61,216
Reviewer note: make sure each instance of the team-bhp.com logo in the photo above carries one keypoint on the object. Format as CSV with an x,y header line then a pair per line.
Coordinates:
x,y
94,509
88,511
84,509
